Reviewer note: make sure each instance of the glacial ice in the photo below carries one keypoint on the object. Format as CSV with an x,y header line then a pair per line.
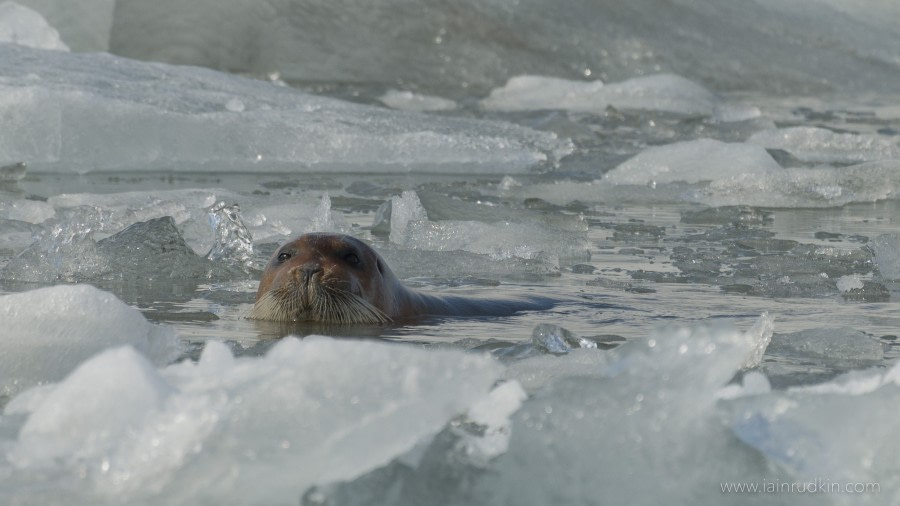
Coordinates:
x,y
662,92
147,116
47,332
142,436
692,162
820,145
23,26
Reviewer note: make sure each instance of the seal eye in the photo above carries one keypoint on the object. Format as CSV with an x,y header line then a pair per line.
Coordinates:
x,y
352,259
283,257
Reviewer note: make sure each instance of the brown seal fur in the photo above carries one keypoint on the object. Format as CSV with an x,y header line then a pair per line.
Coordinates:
x,y
336,278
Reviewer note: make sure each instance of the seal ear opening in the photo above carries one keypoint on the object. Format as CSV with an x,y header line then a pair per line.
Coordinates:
x,y
380,267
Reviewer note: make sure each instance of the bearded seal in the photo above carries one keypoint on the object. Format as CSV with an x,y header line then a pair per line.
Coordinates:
x,y
336,278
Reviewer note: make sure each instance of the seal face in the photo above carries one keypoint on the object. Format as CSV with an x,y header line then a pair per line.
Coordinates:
x,y
329,278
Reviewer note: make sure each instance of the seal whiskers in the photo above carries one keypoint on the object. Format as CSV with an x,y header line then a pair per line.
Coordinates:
x,y
327,304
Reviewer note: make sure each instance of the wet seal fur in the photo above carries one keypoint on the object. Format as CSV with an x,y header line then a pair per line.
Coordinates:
x,y
336,278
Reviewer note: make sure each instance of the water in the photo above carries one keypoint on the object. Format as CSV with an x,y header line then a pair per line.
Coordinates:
x,y
718,228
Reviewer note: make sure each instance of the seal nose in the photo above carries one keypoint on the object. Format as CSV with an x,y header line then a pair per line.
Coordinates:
x,y
307,271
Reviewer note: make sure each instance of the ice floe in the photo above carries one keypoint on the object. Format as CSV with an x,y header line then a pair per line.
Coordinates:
x,y
692,162
142,436
88,112
663,92
23,26
820,145
47,332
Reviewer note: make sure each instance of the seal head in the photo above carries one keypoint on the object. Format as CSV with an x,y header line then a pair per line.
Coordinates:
x,y
329,278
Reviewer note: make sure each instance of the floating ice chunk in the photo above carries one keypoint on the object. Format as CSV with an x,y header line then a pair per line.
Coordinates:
x,y
557,340
12,172
322,219
85,25
30,211
498,240
796,430
151,250
659,397
663,92
887,255
328,410
508,183
102,399
834,346
801,187
493,414
409,101
47,332
65,251
812,144
692,162
411,228
530,92
448,265
233,242
404,209
148,250
23,26
849,282
761,333
15,236
732,113
155,116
